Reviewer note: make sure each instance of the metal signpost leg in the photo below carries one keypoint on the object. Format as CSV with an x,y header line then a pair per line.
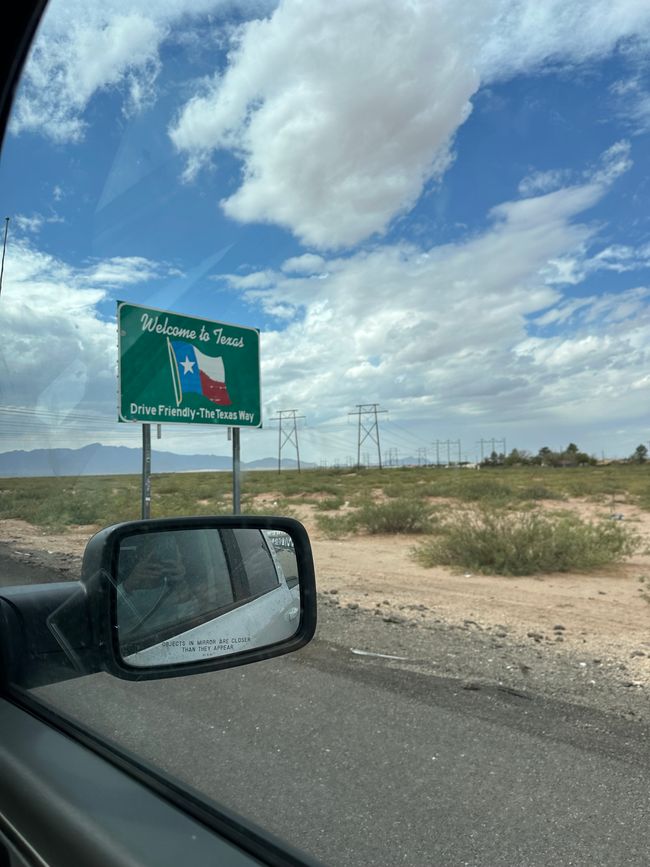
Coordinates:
x,y
236,476
146,471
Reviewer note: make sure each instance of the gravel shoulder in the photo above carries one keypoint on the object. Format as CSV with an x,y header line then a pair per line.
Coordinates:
x,y
561,637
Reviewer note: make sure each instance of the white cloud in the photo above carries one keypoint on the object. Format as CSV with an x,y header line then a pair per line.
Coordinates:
x,y
86,48
124,271
442,333
58,351
620,258
308,263
632,98
543,182
52,333
518,35
333,162
34,223
342,112
75,58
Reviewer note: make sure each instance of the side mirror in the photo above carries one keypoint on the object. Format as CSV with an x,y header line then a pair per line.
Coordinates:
x,y
178,596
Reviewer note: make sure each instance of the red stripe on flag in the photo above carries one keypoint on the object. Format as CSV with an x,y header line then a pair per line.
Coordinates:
x,y
215,391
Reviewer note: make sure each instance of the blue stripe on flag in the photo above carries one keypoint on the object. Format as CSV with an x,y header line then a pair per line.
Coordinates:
x,y
188,367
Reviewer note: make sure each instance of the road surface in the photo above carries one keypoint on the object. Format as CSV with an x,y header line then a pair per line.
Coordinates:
x,y
367,759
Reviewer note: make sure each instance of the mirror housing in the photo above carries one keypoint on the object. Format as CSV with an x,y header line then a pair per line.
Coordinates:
x,y
270,610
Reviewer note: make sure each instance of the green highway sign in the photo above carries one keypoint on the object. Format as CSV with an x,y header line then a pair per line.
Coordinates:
x,y
181,369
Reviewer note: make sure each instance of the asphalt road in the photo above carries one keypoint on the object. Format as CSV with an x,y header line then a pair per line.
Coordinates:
x,y
360,761
366,760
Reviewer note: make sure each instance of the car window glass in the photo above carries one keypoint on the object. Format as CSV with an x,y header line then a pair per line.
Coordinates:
x,y
433,216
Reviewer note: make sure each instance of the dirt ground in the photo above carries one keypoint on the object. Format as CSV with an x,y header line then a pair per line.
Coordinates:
x,y
605,614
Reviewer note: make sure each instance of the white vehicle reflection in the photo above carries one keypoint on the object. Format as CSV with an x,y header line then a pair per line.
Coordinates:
x,y
192,594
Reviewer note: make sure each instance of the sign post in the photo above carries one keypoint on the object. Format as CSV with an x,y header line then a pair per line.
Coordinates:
x,y
146,471
236,473
177,369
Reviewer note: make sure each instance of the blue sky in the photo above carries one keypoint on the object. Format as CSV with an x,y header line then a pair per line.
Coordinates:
x,y
434,208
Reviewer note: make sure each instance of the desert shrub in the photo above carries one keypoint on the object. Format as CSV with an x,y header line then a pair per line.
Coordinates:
x,y
525,543
330,504
395,516
538,492
484,489
334,526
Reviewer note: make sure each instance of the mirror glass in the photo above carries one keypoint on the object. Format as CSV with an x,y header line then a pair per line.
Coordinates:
x,y
192,594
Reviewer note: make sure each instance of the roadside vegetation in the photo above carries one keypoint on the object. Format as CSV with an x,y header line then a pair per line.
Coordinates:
x,y
425,501
395,516
501,542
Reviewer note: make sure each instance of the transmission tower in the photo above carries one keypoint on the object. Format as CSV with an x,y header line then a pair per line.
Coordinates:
x,y
368,427
448,444
287,433
493,443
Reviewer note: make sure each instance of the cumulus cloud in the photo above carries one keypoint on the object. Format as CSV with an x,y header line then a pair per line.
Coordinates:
x,y
444,331
58,349
308,263
86,48
343,112
329,161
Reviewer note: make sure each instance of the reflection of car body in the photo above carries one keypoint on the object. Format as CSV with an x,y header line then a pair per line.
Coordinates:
x,y
237,595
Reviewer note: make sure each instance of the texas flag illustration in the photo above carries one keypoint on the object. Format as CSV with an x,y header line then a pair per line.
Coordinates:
x,y
192,371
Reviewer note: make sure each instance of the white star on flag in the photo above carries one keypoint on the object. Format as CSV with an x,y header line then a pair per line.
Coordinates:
x,y
187,365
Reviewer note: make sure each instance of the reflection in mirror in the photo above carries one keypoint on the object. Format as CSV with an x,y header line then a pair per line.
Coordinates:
x,y
192,594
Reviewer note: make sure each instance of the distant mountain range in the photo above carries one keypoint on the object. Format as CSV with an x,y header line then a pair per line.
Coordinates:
x,y
99,460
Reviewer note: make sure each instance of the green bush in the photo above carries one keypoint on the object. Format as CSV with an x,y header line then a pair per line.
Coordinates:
x,y
330,504
396,516
526,543
484,488
334,526
538,492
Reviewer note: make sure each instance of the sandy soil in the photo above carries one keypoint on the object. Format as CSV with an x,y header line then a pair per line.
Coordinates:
x,y
606,613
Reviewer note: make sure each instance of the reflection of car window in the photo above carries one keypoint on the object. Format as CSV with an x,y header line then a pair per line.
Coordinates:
x,y
256,562
285,555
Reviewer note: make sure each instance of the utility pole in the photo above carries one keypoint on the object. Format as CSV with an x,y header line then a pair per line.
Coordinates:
x,y
287,433
422,456
368,427
4,249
